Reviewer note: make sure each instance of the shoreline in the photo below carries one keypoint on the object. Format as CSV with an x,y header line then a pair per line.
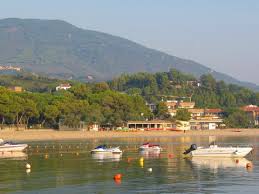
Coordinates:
x,y
53,135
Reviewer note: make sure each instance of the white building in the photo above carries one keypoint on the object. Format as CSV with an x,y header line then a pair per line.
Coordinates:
x,y
63,87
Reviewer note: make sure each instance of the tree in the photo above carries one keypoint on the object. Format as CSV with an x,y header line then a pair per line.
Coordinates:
x,y
237,118
183,115
162,111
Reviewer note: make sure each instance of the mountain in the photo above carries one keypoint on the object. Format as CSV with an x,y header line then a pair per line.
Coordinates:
x,y
57,48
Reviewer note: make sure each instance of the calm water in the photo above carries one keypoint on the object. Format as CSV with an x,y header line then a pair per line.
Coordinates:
x,y
68,167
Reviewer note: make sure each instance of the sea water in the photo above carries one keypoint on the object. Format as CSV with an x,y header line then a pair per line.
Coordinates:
x,y
69,167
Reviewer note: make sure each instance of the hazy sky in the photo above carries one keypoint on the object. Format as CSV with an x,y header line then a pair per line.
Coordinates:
x,y
221,34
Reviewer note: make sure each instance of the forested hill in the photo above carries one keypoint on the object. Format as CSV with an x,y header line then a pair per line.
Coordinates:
x,y
58,48
205,92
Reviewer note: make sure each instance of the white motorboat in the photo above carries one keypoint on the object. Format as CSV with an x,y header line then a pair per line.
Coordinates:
x,y
216,151
150,147
11,147
105,149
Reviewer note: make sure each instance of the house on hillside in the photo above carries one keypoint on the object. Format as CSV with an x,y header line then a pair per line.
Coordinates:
x,y
171,104
214,112
64,86
187,105
253,112
16,88
195,112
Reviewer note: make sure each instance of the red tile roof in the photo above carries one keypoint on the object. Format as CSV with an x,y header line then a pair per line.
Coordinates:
x,y
250,108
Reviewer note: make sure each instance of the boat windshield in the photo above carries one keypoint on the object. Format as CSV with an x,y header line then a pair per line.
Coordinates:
x,y
101,146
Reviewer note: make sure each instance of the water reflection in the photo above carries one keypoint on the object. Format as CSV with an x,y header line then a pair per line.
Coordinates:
x,y
215,163
13,155
106,157
150,154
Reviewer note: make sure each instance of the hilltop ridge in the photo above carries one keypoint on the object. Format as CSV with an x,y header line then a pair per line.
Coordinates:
x,y
57,48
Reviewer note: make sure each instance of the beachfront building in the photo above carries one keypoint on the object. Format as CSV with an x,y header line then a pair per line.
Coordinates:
x,y
214,112
16,88
151,125
65,86
253,112
186,105
195,112
205,123
183,125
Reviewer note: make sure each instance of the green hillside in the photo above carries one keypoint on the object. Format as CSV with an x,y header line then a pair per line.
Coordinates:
x,y
60,49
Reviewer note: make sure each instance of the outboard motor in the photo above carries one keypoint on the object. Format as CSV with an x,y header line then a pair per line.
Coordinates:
x,y
192,148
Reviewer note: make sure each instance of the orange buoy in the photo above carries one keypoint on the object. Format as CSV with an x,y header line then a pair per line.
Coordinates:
x,y
237,161
249,165
117,177
129,159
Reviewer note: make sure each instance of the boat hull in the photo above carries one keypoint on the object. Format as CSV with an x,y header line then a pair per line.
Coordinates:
x,y
108,151
221,152
13,148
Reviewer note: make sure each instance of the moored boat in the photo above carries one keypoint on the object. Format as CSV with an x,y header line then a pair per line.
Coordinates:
x,y
150,147
105,149
216,151
11,147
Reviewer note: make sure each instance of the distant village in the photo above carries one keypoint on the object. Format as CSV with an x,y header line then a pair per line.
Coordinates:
x,y
9,67
201,119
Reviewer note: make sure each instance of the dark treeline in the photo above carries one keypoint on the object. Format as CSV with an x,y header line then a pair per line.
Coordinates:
x,y
83,102
210,93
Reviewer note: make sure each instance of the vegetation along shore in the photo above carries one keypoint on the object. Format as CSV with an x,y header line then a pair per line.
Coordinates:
x,y
33,102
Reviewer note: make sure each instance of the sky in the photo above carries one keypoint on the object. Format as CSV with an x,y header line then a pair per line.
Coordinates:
x,y
221,34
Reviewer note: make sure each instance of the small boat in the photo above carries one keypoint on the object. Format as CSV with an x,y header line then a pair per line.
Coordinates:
x,y
150,147
11,147
105,149
216,151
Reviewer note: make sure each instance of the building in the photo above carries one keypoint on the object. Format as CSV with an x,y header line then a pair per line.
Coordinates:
x,y
151,125
65,86
204,123
253,112
195,112
172,112
183,125
93,127
16,88
171,104
152,107
186,105
214,112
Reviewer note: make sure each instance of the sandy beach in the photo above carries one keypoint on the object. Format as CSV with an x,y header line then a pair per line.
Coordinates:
x,y
41,135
